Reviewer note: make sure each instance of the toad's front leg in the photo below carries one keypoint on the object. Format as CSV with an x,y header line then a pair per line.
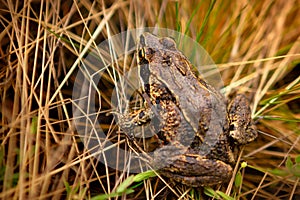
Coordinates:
x,y
129,121
242,129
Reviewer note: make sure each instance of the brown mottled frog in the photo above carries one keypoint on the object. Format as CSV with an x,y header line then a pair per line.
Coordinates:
x,y
195,125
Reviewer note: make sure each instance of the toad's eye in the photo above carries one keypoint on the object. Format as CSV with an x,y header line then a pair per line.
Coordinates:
x,y
141,58
141,53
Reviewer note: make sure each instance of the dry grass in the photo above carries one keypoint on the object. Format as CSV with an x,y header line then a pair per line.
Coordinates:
x,y
255,44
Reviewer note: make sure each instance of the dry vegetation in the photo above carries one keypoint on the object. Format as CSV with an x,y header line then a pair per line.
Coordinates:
x,y
255,45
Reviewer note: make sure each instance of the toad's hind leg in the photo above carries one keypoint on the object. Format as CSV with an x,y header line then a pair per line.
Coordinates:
x,y
190,168
242,129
